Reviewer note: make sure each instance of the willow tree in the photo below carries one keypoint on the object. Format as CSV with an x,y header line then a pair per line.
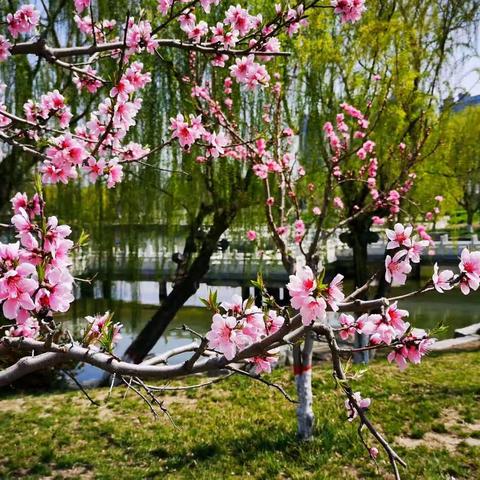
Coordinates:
x,y
459,162
394,65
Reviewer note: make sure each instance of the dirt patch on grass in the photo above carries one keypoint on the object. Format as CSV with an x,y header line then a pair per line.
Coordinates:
x,y
22,401
12,405
348,472
71,473
452,419
183,400
457,433
431,440
104,412
437,441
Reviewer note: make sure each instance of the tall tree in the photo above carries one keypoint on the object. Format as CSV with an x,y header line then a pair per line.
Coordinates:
x,y
396,64
458,163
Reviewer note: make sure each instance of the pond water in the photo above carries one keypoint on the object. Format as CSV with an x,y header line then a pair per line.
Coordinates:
x,y
134,303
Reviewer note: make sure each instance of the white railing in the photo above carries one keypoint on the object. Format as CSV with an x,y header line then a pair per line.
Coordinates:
x,y
233,259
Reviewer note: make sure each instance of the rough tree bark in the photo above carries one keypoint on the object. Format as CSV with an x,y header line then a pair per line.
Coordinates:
x,y
13,170
358,238
470,214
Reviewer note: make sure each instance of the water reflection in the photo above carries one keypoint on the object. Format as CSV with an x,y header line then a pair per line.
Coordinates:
x,y
134,303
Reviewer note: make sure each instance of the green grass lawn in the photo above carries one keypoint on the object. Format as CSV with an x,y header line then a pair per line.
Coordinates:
x,y
243,429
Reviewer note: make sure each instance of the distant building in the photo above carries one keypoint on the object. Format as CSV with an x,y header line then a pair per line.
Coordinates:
x,y
465,101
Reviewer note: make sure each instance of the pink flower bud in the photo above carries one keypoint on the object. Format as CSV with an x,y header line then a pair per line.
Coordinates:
x,y
373,452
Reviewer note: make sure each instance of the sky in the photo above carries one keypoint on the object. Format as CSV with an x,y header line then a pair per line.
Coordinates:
x,y
467,78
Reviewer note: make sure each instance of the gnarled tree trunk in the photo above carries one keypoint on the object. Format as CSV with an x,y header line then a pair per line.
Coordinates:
x,y
13,170
470,214
358,238
185,286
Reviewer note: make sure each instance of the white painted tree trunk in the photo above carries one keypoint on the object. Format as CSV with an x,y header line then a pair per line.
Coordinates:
x,y
302,365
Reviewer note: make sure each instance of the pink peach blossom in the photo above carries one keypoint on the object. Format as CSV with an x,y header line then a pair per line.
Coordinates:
x,y
397,268
362,403
301,286
470,267
442,281
222,335
313,309
5,46
399,236
335,292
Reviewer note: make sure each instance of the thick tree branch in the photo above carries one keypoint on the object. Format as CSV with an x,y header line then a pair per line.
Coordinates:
x,y
41,49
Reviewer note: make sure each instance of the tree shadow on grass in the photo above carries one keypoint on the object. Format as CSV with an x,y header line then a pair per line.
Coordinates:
x,y
247,448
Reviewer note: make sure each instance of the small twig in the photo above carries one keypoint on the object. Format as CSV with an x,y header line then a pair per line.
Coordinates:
x,y
141,395
128,385
160,169
112,383
20,145
262,380
361,289
185,328
155,400
341,378
80,386
70,337
86,280
191,387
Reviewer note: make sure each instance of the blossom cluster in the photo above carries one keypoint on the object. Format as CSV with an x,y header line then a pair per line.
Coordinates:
x,y
101,31
389,329
237,26
23,21
432,214
349,10
412,347
96,148
311,297
348,135
362,403
35,281
238,324
266,164
35,278
51,105
101,330
408,249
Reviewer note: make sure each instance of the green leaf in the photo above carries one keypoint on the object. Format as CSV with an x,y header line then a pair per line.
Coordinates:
x,y
250,303
83,239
